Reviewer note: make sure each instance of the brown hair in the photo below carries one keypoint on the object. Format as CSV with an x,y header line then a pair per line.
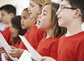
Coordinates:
x,y
57,31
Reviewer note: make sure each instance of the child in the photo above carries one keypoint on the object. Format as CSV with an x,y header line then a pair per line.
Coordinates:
x,y
26,23
16,30
71,44
34,10
7,13
48,46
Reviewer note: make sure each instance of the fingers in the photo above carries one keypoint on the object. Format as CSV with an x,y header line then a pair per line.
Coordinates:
x,y
2,50
6,56
32,59
13,53
47,59
13,47
43,59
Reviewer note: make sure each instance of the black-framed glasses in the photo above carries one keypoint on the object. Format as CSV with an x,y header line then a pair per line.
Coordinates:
x,y
61,8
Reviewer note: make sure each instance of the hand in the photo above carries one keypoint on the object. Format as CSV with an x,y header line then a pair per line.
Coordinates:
x,y
47,59
7,57
13,52
32,59
2,50
16,53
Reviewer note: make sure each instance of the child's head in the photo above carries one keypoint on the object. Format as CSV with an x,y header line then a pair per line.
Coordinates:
x,y
16,29
7,12
69,11
48,19
35,7
26,21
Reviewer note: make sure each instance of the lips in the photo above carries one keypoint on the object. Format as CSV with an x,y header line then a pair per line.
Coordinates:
x,y
59,18
22,24
12,33
38,22
30,13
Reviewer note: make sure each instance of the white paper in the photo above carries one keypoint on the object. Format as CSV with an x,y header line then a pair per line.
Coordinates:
x,y
6,46
2,57
0,45
35,55
26,56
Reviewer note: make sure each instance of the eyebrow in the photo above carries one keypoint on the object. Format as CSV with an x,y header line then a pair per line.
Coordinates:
x,y
62,5
45,11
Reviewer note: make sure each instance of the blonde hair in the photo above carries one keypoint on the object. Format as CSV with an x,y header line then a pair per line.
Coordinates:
x,y
41,2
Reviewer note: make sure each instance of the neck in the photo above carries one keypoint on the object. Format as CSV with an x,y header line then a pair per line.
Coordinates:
x,y
74,28
49,32
7,25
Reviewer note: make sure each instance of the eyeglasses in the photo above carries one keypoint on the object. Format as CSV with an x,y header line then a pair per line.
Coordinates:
x,y
61,8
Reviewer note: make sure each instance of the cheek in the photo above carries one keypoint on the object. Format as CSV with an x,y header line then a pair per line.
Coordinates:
x,y
16,33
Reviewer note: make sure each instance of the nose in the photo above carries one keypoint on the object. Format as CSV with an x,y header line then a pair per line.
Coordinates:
x,y
21,20
39,16
28,8
57,13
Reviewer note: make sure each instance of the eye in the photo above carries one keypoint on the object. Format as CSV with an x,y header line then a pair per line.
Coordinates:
x,y
32,6
24,17
2,15
44,14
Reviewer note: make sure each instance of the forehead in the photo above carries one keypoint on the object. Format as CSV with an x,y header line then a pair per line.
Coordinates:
x,y
65,3
31,2
3,11
47,8
25,12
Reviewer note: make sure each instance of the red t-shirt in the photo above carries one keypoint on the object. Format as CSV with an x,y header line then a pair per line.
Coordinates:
x,y
7,35
16,45
71,48
48,47
22,46
35,35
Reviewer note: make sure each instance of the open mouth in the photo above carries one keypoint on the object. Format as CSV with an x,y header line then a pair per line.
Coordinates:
x,y
30,13
39,22
59,18
12,33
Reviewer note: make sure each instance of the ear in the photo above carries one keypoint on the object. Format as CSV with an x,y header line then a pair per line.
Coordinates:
x,y
11,15
77,13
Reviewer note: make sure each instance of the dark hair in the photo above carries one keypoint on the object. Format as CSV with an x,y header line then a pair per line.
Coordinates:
x,y
57,31
9,9
16,22
78,4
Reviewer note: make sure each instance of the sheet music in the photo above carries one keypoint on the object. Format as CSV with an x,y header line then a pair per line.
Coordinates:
x,y
35,55
6,46
26,56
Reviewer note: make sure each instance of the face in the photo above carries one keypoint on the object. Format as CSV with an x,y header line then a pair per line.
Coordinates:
x,y
65,16
5,17
34,9
14,31
26,21
44,20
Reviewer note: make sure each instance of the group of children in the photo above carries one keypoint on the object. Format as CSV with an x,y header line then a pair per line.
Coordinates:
x,y
52,29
